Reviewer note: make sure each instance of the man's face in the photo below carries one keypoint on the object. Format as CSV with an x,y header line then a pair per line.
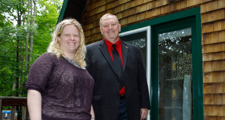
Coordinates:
x,y
110,28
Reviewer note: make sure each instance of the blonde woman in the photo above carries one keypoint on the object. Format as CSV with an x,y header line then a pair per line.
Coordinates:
x,y
59,87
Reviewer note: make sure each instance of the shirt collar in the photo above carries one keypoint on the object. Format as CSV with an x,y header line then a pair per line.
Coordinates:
x,y
109,44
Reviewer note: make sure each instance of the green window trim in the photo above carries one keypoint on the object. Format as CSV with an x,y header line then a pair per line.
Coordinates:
x,y
197,73
62,11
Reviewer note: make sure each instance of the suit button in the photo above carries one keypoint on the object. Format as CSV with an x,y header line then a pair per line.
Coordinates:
x,y
117,80
117,94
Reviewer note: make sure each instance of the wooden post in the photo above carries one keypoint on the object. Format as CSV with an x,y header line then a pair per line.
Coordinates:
x,y
27,115
13,112
24,112
1,108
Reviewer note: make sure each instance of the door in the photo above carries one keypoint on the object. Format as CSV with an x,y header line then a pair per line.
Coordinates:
x,y
172,75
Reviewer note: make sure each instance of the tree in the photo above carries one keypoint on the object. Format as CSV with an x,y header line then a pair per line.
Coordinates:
x,y
46,21
25,32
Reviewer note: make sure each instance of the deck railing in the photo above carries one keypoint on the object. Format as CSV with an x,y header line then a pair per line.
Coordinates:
x,y
14,101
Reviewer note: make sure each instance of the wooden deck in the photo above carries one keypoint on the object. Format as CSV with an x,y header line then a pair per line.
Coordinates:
x,y
14,101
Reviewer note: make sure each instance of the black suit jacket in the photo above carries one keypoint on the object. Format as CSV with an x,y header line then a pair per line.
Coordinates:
x,y
106,97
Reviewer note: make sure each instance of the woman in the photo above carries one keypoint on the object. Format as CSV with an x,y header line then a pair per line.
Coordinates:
x,y
59,87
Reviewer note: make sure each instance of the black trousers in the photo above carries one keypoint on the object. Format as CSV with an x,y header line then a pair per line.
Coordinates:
x,y
123,110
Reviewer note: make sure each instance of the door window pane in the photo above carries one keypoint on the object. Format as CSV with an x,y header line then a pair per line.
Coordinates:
x,y
175,71
141,44
138,40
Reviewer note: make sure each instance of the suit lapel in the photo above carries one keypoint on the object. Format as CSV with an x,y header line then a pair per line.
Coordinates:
x,y
105,52
124,51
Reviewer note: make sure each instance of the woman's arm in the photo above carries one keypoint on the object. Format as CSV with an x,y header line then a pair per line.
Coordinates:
x,y
92,113
34,104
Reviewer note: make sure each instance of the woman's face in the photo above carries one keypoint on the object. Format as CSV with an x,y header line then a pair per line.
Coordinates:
x,y
69,39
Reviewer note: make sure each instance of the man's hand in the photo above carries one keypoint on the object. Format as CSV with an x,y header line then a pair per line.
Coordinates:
x,y
144,113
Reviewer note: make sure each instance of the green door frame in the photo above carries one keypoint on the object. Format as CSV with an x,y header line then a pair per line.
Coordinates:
x,y
197,72
162,28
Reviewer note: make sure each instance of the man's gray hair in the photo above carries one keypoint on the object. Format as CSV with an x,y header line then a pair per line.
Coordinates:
x,y
107,14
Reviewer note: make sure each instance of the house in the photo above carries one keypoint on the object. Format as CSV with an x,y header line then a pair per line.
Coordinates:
x,y
182,43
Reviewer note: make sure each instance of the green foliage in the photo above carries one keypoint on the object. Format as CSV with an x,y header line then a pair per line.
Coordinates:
x,y
13,37
46,21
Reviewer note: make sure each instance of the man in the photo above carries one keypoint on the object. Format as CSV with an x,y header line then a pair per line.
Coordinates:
x,y
121,91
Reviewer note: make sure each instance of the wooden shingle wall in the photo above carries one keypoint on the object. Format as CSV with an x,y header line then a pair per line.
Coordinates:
x,y
213,48
213,37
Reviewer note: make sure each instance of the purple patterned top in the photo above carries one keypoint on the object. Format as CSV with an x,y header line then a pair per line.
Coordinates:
x,y
66,90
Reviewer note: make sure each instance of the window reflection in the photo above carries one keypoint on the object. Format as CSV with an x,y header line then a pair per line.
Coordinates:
x,y
141,44
175,71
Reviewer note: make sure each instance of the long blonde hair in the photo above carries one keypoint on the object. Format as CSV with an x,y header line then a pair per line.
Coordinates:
x,y
54,46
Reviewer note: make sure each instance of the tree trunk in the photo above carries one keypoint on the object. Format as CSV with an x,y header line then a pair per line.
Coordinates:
x,y
15,84
32,33
27,39
18,54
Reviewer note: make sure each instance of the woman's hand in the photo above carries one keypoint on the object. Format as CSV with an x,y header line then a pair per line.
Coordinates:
x,y
92,113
